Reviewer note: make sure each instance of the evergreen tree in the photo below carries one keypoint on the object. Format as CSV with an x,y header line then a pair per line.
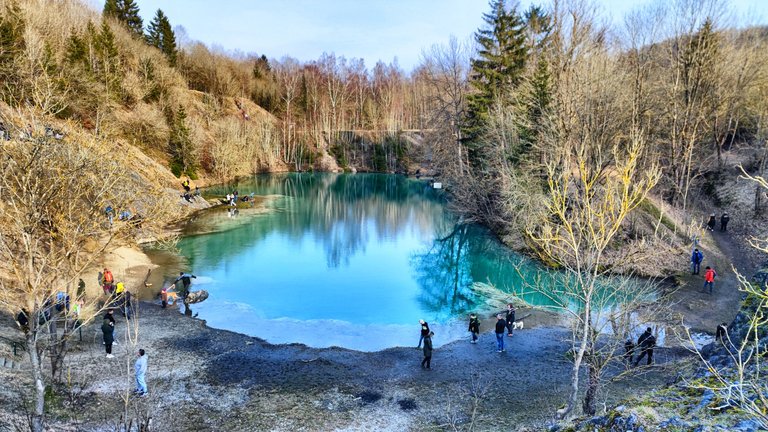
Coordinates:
x,y
111,9
12,45
127,12
500,63
132,19
108,58
160,35
180,144
538,26
76,48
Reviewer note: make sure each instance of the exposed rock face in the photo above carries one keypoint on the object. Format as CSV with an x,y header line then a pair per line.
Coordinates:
x,y
327,163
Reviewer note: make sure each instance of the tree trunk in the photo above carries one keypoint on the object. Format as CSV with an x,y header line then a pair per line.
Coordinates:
x,y
593,389
37,376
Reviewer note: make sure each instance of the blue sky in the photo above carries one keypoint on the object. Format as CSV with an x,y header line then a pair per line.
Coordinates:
x,y
369,29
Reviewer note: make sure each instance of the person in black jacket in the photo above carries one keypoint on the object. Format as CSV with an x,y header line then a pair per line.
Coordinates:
x,y
427,362
474,327
711,222
510,318
424,332
629,351
724,222
646,342
500,327
722,332
108,331
186,281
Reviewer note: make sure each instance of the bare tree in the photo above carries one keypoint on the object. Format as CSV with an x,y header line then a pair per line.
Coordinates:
x,y
53,227
590,194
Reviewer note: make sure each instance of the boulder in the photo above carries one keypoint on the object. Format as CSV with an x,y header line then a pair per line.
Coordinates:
x,y
196,297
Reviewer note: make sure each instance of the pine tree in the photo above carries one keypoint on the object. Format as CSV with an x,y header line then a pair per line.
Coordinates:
x,y
160,35
131,18
180,144
76,48
127,12
111,9
108,58
12,45
153,36
500,65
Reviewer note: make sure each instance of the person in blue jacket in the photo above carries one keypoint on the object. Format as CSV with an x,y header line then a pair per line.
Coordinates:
x,y
696,258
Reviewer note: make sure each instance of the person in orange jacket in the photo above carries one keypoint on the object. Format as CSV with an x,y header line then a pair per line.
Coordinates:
x,y
709,278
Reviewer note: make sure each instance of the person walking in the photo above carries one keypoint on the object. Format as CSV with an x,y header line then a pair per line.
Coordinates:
x,y
711,223
510,318
141,374
500,327
709,278
427,362
724,222
646,342
474,327
424,332
696,258
108,332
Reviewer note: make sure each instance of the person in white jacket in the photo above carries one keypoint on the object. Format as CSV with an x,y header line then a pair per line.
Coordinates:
x,y
141,373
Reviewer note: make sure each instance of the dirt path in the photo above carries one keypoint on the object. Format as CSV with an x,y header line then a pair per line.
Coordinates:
x,y
703,312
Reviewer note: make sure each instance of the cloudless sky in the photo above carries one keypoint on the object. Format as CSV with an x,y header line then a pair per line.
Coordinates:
x,y
369,29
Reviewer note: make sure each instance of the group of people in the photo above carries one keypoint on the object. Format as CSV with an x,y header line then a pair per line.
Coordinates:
x,y
179,288
697,257
724,218
645,343
117,296
188,195
124,215
505,323
140,366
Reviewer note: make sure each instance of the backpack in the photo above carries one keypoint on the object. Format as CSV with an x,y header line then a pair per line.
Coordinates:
x,y
108,277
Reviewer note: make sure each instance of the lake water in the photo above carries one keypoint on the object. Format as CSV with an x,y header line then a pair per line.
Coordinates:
x,y
350,260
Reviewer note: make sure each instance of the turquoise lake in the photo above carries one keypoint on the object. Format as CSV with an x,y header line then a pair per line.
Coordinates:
x,y
349,260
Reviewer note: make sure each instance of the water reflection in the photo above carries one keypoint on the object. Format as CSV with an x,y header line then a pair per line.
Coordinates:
x,y
349,255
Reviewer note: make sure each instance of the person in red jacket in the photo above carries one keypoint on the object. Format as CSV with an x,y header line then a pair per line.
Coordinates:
x,y
709,278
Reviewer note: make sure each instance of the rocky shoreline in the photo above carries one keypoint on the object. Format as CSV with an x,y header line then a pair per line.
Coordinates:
x,y
205,379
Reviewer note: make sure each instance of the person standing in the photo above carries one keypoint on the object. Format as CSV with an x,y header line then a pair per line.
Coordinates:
x,y
424,332
474,327
500,327
427,362
141,374
709,278
696,258
107,281
108,332
510,318
722,332
711,223
724,222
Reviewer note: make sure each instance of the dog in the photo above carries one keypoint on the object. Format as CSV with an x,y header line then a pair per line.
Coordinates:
x,y
168,296
518,325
